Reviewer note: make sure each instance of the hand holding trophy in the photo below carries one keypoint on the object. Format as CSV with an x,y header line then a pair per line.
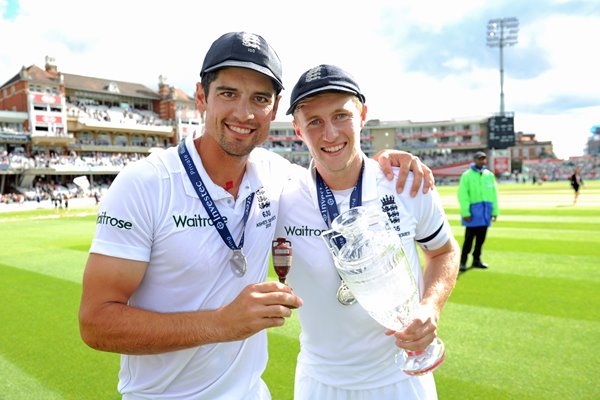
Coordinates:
x,y
369,257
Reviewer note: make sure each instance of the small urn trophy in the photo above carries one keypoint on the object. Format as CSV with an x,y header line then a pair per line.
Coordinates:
x,y
282,257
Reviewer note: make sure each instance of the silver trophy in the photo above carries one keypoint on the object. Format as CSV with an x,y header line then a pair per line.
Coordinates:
x,y
370,259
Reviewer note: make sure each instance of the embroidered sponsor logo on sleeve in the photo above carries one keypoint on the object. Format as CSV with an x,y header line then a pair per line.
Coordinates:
x,y
105,219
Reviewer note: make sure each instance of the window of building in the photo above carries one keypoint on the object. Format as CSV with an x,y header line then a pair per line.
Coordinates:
x,y
121,140
137,140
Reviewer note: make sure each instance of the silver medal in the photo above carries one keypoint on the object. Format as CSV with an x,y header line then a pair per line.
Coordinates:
x,y
344,295
238,263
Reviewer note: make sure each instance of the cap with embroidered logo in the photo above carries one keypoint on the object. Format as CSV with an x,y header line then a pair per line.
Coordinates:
x,y
244,50
323,78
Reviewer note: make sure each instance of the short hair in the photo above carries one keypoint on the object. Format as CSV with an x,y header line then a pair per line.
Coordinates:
x,y
211,76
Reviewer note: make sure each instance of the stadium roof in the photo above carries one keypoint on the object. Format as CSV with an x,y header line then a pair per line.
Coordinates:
x,y
87,83
99,85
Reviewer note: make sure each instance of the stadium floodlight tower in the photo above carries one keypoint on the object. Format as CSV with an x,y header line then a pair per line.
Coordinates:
x,y
502,32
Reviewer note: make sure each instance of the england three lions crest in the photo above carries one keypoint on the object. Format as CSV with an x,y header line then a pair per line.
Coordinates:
x,y
389,206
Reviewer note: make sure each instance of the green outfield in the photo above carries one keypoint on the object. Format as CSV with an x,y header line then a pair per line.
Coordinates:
x,y
527,328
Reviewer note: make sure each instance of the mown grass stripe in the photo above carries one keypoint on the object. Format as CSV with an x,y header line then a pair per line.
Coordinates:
x,y
65,264
542,219
590,237
556,246
16,384
537,295
39,335
518,355
567,267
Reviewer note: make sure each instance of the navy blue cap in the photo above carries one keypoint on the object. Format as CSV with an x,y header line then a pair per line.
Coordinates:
x,y
323,78
244,50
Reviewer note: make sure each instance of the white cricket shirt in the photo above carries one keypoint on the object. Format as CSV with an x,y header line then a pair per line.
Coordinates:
x,y
152,213
342,345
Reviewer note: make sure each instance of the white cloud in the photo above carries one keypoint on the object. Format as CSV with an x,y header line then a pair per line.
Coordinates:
x,y
138,40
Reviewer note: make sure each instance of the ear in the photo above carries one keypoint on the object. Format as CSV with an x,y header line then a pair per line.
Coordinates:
x,y
297,130
200,98
363,116
275,106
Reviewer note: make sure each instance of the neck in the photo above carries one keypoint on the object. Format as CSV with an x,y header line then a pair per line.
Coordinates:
x,y
343,179
223,169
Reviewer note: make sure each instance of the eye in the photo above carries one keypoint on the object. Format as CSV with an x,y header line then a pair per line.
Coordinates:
x,y
314,122
343,116
263,99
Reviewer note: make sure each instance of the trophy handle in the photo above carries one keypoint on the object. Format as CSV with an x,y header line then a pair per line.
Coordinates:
x,y
329,237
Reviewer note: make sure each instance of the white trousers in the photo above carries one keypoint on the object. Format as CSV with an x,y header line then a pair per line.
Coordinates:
x,y
414,388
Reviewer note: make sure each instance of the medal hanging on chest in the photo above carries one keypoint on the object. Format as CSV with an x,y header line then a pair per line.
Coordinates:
x,y
238,263
238,259
344,295
329,211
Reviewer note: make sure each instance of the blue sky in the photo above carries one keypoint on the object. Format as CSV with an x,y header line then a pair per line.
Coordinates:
x,y
418,60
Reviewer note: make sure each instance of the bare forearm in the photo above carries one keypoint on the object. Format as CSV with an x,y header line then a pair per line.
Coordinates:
x,y
439,276
123,329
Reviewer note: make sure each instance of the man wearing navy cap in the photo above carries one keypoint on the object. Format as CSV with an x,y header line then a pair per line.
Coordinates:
x,y
175,278
344,353
478,200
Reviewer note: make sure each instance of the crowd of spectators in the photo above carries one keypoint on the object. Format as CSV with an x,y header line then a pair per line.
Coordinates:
x,y
121,115
536,171
441,159
561,170
19,162
58,193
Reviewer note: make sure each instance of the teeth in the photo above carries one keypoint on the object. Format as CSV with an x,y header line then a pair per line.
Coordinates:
x,y
243,131
333,149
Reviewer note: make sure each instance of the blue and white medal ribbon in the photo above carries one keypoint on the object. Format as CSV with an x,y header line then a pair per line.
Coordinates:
x,y
238,260
329,212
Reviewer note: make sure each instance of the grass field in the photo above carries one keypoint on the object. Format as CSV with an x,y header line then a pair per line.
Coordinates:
x,y
527,328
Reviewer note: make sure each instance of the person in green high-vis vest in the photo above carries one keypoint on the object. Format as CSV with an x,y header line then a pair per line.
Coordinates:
x,y
478,198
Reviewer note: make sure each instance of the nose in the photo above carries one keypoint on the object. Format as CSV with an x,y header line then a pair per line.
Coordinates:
x,y
330,132
243,110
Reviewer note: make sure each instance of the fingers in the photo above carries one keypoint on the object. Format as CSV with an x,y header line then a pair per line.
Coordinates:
x,y
420,332
422,174
257,307
277,293
403,160
385,164
416,341
418,344
429,179
417,168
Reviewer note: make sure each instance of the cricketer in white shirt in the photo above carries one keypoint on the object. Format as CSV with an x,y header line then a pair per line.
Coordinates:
x,y
152,213
341,346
